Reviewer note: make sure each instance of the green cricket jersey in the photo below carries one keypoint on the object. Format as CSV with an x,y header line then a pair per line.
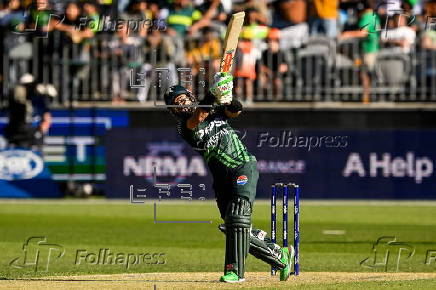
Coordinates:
x,y
215,140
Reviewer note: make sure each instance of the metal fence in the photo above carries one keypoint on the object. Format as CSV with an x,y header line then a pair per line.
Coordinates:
x,y
107,67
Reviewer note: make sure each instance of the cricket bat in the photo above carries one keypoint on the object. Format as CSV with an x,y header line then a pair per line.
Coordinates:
x,y
231,41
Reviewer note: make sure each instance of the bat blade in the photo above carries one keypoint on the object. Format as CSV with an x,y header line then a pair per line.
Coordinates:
x,y
231,41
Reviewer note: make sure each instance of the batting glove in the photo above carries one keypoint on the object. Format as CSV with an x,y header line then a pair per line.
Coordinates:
x,y
222,88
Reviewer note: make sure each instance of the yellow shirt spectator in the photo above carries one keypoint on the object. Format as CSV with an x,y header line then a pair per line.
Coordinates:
x,y
326,9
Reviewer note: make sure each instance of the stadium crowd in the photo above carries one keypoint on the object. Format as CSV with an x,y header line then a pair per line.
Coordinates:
x,y
289,49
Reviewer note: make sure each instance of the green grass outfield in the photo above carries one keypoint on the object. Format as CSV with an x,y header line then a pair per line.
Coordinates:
x,y
335,236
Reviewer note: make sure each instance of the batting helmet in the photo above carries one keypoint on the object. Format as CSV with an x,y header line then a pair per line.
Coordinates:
x,y
174,91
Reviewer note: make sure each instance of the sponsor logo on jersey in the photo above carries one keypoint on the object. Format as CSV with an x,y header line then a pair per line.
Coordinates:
x,y
208,129
213,141
242,180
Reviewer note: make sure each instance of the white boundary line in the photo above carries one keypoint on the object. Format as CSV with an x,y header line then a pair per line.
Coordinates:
x,y
424,203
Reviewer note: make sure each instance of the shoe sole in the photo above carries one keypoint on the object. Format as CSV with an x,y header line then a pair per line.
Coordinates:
x,y
239,281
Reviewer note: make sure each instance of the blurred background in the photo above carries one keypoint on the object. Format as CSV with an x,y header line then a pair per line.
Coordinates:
x,y
339,95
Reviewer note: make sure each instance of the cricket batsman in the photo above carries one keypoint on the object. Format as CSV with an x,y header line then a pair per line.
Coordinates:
x,y
234,173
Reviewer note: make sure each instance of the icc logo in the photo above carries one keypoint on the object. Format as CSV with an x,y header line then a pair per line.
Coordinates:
x,y
387,254
37,254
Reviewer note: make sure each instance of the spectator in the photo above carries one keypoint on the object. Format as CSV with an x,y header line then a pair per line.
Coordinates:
x,y
40,18
245,71
254,27
126,50
182,17
273,64
368,24
388,8
73,29
207,54
182,20
288,13
227,5
260,6
418,6
324,17
91,12
427,66
186,20
412,20
213,10
12,17
107,8
138,11
428,40
348,15
123,5
159,51
41,21
290,17
399,34
155,6
294,36
75,36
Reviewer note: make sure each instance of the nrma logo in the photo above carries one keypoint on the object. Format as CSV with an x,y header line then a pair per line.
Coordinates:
x,y
19,164
164,163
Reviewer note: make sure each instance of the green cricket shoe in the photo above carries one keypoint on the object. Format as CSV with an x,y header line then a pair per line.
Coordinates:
x,y
286,258
231,277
